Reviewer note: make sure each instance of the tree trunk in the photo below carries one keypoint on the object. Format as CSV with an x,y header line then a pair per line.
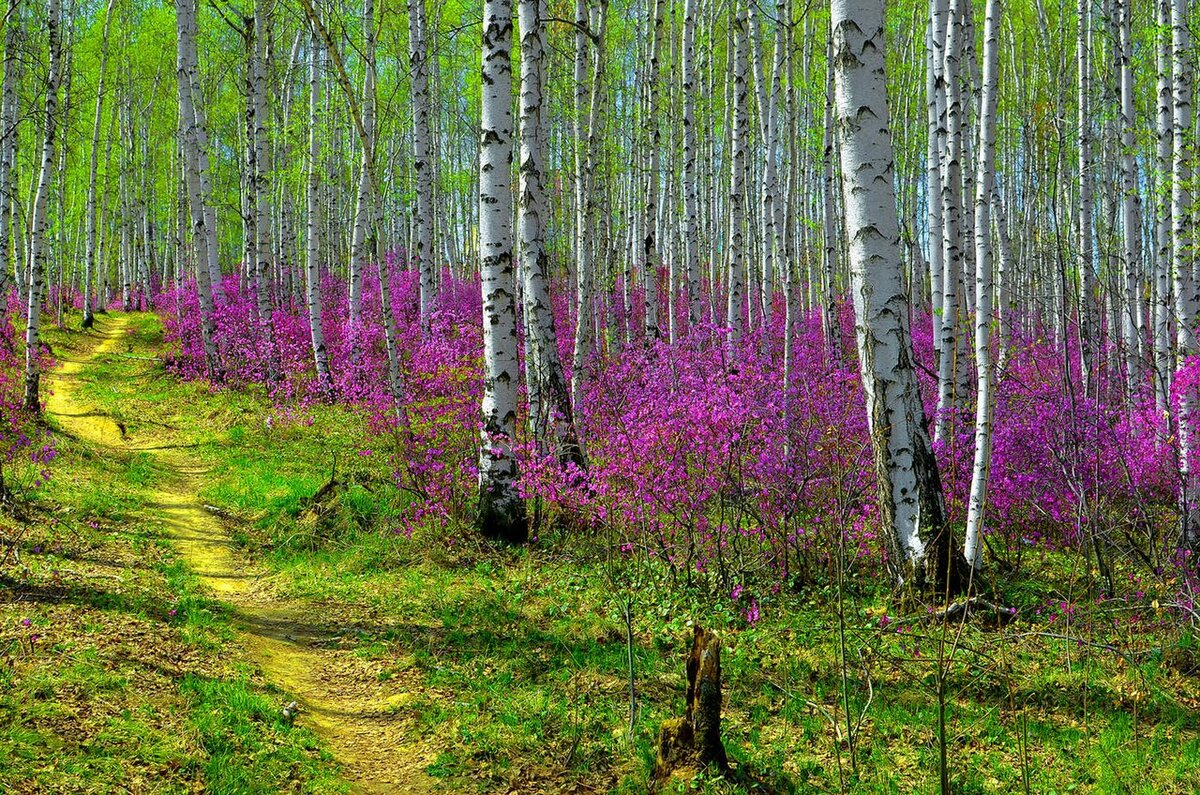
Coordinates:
x,y
422,167
1163,223
737,175
985,177
1181,207
1131,208
952,233
910,492
585,222
691,184
550,415
688,745
261,189
363,216
37,226
312,269
649,252
1087,288
203,237
501,511
89,264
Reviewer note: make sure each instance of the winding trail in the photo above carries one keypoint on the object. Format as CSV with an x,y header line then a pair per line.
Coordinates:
x,y
361,720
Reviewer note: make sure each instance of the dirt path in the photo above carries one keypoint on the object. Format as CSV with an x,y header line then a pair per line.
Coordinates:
x,y
360,719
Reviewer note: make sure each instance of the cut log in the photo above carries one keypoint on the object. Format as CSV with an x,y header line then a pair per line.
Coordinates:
x,y
692,743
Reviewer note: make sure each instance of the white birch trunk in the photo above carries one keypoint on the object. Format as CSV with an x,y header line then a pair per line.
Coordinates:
x,y
550,417
952,232
501,511
737,176
8,148
935,146
1086,328
363,216
38,223
312,267
649,243
89,264
262,190
422,156
1131,209
985,177
586,221
1181,234
910,495
830,328
203,237
1164,158
691,179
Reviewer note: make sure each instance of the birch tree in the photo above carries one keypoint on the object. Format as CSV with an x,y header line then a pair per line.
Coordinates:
x,y
8,146
737,175
935,143
363,215
261,192
501,511
550,413
89,263
1131,210
587,207
952,235
691,186
910,494
1163,227
203,236
312,269
38,223
422,165
1084,218
649,250
984,184
1181,251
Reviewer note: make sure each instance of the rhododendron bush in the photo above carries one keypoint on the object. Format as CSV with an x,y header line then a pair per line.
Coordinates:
x,y
699,455
25,447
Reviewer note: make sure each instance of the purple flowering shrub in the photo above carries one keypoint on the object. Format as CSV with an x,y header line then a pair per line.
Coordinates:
x,y
26,450
698,456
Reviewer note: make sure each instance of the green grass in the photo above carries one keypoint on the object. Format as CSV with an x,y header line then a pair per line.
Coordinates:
x,y
518,656
134,681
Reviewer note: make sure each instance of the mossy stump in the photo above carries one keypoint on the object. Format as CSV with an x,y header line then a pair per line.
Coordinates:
x,y
690,744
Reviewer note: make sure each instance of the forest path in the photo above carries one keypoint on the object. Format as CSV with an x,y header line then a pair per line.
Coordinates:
x,y
295,643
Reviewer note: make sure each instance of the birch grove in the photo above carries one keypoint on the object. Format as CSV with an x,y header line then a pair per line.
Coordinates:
x,y
693,197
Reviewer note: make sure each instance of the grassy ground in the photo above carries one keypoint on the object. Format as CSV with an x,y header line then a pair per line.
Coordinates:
x,y
116,675
522,653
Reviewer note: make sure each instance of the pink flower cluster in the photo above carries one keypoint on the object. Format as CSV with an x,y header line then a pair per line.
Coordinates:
x,y
700,454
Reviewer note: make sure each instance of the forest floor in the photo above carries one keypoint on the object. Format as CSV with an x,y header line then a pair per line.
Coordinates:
x,y
200,558
296,643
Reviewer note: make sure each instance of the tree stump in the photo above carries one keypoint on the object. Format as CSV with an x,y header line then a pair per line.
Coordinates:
x,y
692,743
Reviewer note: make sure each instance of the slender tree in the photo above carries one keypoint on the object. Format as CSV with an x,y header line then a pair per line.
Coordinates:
x,y
737,174
649,251
261,189
550,416
422,153
1181,249
37,225
984,184
312,269
90,263
203,235
691,177
1163,225
501,511
910,492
